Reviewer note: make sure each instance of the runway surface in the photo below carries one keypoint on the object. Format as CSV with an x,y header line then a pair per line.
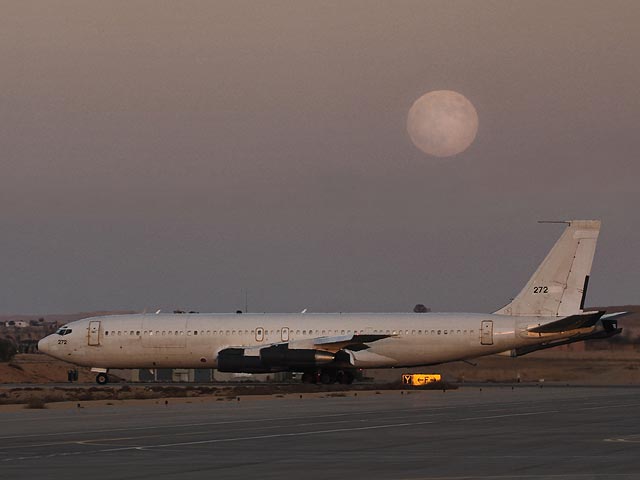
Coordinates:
x,y
497,433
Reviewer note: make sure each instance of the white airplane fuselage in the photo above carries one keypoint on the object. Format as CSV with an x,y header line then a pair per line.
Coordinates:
x,y
194,340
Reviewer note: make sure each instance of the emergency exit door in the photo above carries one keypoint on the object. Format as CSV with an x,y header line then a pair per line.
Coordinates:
x,y
486,332
94,333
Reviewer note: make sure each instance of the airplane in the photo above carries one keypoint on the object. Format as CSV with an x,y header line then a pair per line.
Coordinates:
x,y
330,347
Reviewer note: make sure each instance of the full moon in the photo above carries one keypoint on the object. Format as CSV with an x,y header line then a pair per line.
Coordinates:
x,y
442,123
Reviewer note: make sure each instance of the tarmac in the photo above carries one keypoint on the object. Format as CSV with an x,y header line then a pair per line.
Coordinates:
x,y
559,433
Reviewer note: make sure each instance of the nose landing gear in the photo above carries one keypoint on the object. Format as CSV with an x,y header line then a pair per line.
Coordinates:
x,y
101,378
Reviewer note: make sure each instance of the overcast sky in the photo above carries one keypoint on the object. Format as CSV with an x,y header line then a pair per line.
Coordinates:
x,y
171,154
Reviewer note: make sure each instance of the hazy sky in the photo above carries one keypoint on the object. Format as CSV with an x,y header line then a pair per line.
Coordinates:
x,y
159,154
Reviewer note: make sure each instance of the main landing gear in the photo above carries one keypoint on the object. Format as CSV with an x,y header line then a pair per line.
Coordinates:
x,y
328,376
102,378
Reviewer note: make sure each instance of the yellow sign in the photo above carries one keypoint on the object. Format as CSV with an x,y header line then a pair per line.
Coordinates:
x,y
419,379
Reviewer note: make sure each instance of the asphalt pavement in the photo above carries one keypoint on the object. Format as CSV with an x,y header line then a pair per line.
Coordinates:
x,y
561,433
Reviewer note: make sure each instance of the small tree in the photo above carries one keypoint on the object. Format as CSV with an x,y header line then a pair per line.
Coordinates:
x,y
7,350
420,308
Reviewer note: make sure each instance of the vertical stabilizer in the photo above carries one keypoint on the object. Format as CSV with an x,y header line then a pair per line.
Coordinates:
x,y
559,285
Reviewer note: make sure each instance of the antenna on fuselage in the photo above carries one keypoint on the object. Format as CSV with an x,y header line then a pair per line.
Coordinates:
x,y
244,295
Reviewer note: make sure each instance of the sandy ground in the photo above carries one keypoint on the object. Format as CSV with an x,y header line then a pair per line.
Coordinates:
x,y
606,367
26,377
620,366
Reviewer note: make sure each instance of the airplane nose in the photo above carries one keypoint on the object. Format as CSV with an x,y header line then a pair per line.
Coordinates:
x,y
43,345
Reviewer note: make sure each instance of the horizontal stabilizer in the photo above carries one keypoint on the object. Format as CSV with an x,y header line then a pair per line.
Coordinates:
x,y
572,322
615,315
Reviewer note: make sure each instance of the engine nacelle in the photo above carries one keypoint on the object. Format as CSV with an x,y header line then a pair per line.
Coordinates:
x,y
234,360
272,359
283,356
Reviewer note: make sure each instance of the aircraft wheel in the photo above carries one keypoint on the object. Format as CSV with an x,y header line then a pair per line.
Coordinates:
x,y
346,377
102,379
327,378
308,377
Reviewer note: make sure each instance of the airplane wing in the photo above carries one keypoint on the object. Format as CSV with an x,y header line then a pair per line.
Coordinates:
x,y
355,342
308,352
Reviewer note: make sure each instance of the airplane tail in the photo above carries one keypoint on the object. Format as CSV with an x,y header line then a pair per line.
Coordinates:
x,y
559,285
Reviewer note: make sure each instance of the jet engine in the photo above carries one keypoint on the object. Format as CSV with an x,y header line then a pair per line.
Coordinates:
x,y
272,359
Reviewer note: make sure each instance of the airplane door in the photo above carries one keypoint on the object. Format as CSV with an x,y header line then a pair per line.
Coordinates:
x,y
94,333
285,334
486,332
259,334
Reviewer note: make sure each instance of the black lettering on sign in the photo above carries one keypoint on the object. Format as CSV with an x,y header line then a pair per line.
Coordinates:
x,y
540,289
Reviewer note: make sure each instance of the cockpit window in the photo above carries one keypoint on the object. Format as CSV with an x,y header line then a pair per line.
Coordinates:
x,y
63,331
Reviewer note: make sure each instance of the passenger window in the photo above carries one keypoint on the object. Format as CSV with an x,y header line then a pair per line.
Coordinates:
x,y
137,332
195,332
106,333
419,332
323,332
439,332
119,332
169,332
304,332
164,332
458,332
433,332
445,332
188,333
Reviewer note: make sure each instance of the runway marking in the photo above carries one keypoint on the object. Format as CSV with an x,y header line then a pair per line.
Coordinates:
x,y
192,433
314,432
231,422
540,476
505,415
626,439
351,415
180,425
609,406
